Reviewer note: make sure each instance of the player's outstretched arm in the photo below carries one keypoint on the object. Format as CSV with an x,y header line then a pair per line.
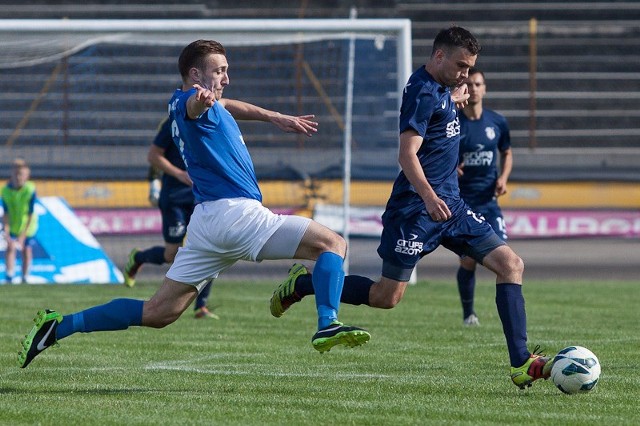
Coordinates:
x,y
287,123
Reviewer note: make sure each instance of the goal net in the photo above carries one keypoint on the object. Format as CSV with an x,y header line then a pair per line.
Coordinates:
x,y
82,99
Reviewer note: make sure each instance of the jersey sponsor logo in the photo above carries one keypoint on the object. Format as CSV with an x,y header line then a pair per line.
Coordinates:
x,y
444,104
477,159
490,132
410,246
453,128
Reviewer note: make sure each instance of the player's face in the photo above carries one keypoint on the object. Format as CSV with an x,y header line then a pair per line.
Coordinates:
x,y
215,76
20,176
454,66
477,88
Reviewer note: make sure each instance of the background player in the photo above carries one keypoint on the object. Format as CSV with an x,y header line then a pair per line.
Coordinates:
x,y
483,134
176,203
20,220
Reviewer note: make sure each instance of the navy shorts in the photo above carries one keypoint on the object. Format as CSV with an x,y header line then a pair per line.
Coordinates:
x,y
176,210
405,240
493,215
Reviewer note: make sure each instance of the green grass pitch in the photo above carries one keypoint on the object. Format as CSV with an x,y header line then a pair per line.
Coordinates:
x,y
420,367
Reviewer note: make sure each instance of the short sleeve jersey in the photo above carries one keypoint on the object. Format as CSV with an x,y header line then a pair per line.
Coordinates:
x,y
19,203
480,142
213,151
427,109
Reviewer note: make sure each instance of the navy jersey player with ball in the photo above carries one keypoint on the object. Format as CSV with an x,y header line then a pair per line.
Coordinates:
x,y
425,209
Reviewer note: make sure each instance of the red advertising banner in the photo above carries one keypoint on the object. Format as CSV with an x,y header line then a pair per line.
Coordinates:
x,y
520,223
572,223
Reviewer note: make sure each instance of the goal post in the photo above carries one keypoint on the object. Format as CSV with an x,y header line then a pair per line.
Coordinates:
x,y
72,93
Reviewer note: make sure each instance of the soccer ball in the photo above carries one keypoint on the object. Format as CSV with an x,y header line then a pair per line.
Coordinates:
x,y
575,370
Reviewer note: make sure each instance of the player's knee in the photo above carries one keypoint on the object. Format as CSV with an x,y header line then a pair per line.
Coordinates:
x,y
334,243
514,266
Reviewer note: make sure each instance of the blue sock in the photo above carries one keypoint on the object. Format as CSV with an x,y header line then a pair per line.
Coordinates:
x,y
153,255
466,287
201,301
510,303
328,279
119,314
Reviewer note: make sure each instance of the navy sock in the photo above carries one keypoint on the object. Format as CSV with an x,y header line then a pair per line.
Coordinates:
x,y
203,297
119,314
354,292
466,288
153,255
510,303
328,279
304,285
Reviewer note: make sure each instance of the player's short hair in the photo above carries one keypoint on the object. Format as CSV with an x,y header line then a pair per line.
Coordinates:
x,y
19,163
474,70
455,37
195,53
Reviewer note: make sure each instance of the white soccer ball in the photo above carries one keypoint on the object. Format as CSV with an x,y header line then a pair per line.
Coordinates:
x,y
575,370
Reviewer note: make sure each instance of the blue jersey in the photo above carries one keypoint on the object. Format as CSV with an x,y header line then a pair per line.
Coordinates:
x,y
480,143
427,109
214,152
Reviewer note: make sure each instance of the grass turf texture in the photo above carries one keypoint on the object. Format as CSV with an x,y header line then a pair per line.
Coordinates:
x,y
421,366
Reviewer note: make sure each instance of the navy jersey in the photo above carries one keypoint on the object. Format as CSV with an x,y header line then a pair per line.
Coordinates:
x,y
427,108
214,152
481,141
164,140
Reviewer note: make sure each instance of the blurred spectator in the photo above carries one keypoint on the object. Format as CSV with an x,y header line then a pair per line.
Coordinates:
x,y
20,222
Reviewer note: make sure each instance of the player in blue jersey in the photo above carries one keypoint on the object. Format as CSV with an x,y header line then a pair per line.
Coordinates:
x,y
425,209
483,135
176,203
229,222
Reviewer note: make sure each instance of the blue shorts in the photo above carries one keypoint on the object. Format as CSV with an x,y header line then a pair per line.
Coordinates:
x,y
405,240
493,215
28,241
176,210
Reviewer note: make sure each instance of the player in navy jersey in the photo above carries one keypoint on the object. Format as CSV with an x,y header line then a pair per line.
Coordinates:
x,y
176,203
484,134
229,222
425,209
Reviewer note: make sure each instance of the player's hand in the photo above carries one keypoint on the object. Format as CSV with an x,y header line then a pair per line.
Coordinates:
x,y
205,96
460,95
300,124
460,169
438,210
184,177
501,187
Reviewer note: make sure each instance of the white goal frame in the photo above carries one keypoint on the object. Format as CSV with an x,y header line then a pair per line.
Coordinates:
x,y
232,32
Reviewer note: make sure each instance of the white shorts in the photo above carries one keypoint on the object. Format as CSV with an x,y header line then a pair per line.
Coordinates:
x,y
224,231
